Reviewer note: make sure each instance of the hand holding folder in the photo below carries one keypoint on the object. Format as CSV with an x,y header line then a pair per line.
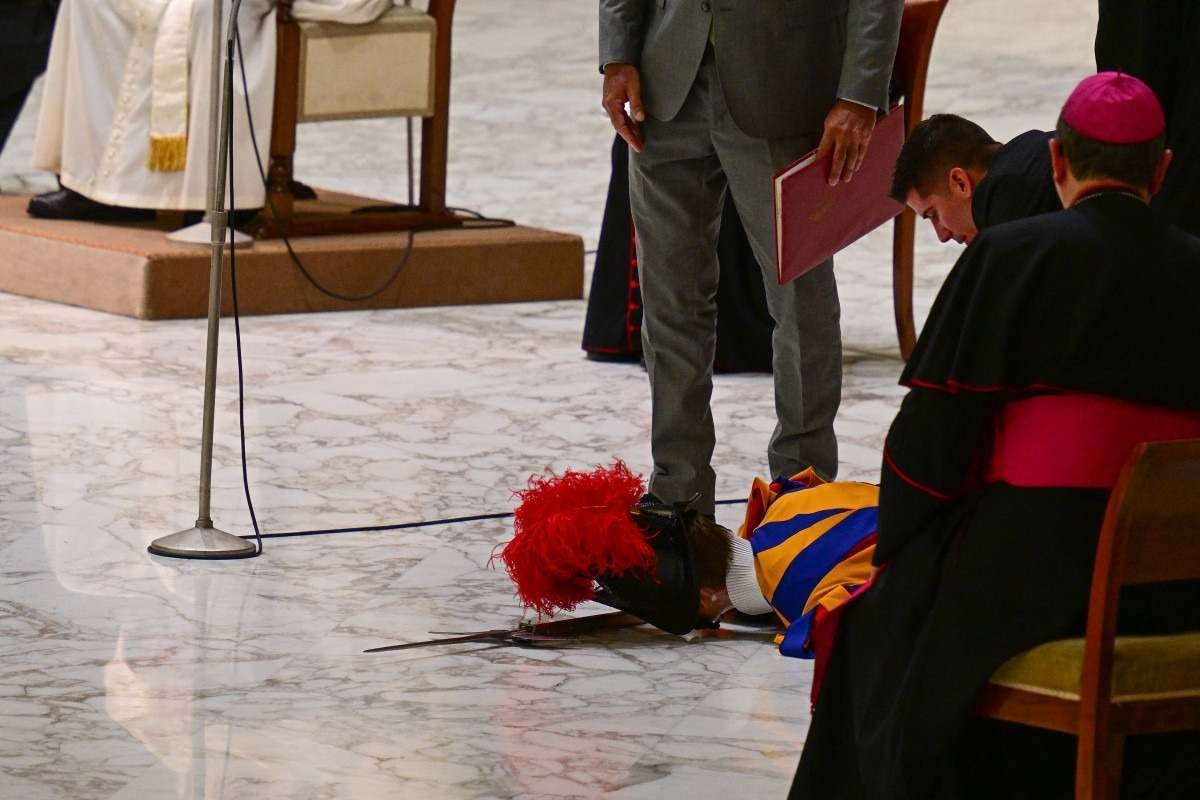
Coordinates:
x,y
814,220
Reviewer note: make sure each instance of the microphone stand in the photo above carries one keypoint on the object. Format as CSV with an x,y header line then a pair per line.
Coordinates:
x,y
201,232
203,540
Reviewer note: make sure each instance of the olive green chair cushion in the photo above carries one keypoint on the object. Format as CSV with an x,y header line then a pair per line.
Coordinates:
x,y
1144,667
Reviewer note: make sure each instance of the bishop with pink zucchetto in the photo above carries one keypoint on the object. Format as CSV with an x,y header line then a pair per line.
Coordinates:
x,y
1114,108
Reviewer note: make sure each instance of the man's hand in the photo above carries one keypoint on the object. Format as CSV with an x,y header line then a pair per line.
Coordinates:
x,y
848,129
623,84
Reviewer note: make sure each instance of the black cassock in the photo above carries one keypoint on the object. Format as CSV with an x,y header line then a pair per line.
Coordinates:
x,y
1102,298
1018,184
25,30
1159,42
613,326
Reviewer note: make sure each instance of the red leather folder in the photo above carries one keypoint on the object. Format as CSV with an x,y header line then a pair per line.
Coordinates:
x,y
814,220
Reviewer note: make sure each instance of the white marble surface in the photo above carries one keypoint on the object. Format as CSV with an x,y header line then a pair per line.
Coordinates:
x,y
133,677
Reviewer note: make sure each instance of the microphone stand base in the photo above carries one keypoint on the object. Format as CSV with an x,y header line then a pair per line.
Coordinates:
x,y
202,542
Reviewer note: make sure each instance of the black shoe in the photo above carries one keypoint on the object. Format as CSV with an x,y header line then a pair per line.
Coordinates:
x,y
615,358
67,204
652,513
651,503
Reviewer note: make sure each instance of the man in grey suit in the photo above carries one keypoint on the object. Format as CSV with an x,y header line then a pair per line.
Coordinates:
x,y
719,94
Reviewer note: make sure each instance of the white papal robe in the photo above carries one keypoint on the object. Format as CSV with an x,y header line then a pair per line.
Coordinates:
x,y
95,120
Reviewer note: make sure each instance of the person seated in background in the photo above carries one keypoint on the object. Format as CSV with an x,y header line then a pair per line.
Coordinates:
x,y
952,173
803,547
125,111
1052,350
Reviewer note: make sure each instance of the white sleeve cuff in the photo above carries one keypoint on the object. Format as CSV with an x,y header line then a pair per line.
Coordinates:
x,y
859,103
741,580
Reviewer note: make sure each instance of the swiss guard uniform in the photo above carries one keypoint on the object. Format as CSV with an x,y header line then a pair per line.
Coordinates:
x,y
811,544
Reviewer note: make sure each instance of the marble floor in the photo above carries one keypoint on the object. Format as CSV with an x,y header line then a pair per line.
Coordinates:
x,y
128,676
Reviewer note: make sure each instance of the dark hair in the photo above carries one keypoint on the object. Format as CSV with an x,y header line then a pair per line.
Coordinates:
x,y
934,147
711,551
1133,164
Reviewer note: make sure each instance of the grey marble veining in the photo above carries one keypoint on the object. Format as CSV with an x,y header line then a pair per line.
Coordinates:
x,y
127,676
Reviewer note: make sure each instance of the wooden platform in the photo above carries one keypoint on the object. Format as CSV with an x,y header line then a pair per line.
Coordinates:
x,y
135,271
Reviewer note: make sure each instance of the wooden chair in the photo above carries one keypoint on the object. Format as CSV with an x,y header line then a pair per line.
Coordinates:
x,y
279,218
917,30
1103,688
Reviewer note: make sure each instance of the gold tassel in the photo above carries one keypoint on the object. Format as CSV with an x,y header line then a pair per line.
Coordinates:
x,y
167,153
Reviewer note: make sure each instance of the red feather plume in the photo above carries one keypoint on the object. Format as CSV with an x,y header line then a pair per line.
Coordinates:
x,y
571,528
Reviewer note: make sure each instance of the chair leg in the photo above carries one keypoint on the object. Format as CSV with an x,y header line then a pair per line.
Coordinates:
x,y
903,235
435,129
1098,767
280,201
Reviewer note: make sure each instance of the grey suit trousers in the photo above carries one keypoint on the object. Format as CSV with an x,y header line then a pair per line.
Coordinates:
x,y
676,188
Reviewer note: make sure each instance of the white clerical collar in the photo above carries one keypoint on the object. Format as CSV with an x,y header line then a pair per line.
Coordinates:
x,y
741,579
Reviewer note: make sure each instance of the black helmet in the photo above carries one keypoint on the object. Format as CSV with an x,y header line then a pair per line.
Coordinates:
x,y
669,598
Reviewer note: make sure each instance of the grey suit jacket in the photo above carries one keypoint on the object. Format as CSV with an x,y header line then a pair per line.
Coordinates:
x,y
782,63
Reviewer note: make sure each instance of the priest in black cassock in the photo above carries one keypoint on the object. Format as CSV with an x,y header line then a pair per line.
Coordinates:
x,y
953,174
1057,344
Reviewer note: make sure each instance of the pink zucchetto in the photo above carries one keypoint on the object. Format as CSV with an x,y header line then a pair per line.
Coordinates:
x,y
1115,108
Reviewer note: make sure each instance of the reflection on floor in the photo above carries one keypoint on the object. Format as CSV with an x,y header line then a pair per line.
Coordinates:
x,y
126,676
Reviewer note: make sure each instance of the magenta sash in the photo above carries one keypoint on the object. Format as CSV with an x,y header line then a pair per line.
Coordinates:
x,y
1078,440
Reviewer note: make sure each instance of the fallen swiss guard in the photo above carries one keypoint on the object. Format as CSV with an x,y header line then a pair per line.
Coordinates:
x,y
801,551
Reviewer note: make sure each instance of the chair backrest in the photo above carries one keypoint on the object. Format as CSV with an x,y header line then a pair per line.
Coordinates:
x,y
917,29
1150,534
1153,519
430,211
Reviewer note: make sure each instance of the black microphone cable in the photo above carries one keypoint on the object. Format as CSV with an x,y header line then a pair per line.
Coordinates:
x,y
231,233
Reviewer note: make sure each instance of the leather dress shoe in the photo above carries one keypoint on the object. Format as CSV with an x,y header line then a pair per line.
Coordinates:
x,y
67,204
651,504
